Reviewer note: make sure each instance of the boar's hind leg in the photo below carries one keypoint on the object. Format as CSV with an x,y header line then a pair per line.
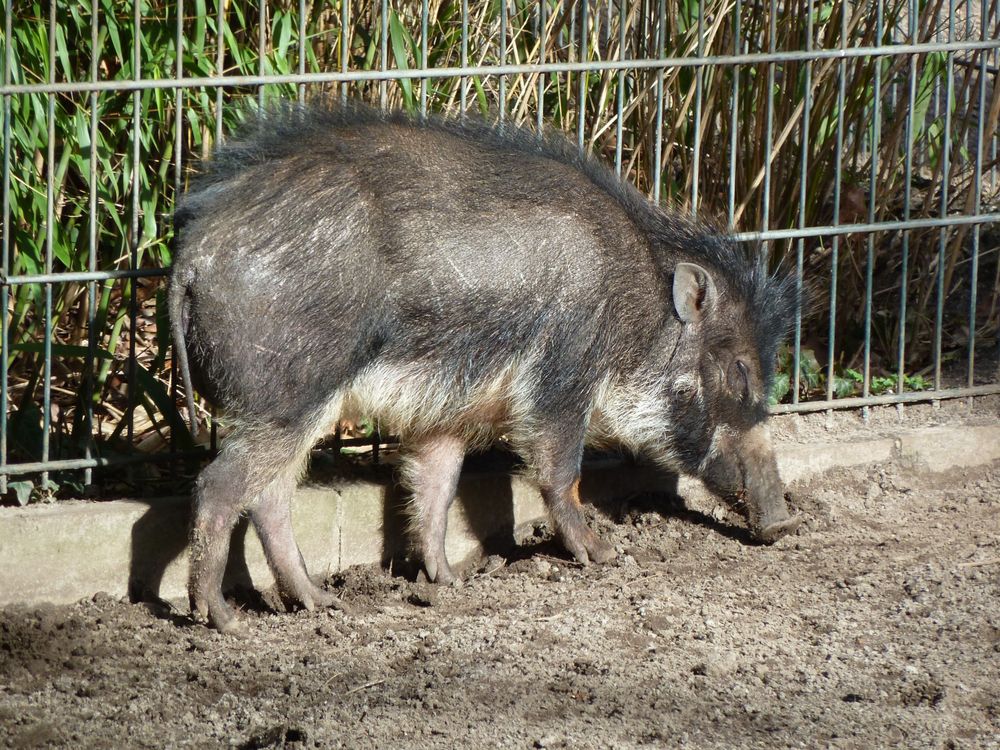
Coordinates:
x,y
559,480
221,495
246,470
271,516
431,469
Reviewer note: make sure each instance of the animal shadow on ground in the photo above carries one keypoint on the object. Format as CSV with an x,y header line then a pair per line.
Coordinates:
x,y
485,497
160,536
638,487
614,485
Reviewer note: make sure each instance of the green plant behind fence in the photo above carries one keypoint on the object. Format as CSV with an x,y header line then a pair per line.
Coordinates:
x,y
92,337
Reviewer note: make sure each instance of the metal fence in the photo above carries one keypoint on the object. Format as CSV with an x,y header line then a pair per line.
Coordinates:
x,y
857,141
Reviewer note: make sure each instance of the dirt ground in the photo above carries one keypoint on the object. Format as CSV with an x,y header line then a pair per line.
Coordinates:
x,y
878,625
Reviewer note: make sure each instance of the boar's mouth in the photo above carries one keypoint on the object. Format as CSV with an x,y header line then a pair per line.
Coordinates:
x,y
761,499
743,471
769,521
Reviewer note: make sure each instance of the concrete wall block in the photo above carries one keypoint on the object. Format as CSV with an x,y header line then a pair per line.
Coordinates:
x,y
70,550
943,448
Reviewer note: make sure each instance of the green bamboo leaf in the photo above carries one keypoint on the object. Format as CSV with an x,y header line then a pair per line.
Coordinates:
x,y
235,50
283,22
484,106
397,37
62,52
934,68
197,42
81,125
112,29
149,219
194,125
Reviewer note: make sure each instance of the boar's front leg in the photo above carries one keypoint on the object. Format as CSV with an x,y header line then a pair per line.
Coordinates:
x,y
557,457
431,468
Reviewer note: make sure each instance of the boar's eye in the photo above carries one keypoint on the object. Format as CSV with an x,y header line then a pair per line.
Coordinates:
x,y
739,379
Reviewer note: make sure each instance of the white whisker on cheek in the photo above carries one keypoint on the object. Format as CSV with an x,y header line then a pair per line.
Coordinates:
x,y
631,415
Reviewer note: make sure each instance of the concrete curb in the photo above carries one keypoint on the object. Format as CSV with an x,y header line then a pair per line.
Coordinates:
x,y
68,551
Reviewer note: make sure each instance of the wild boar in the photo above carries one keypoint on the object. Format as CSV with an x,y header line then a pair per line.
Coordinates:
x,y
455,280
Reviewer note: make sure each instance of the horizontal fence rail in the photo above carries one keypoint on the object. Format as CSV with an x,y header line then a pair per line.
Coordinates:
x,y
655,63
853,142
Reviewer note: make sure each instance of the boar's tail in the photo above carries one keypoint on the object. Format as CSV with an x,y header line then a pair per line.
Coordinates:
x,y
179,303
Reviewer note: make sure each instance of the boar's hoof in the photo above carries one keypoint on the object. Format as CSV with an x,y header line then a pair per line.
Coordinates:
x,y
773,532
323,599
601,552
216,614
587,547
231,627
438,571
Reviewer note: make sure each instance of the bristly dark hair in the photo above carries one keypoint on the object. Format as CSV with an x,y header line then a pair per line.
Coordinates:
x,y
286,129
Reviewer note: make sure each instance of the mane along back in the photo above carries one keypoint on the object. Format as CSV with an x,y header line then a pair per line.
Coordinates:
x,y
292,130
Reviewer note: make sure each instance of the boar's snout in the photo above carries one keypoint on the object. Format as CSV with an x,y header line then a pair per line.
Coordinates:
x,y
768,516
744,470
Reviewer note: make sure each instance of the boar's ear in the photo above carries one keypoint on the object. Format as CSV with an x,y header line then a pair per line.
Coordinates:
x,y
694,292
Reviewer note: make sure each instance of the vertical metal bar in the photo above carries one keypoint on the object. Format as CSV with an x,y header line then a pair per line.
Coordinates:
x,y
977,182
699,73
424,81
581,84
571,9
937,88
383,85
220,61
88,368
464,81
658,145
300,90
765,220
542,38
894,87
503,59
5,232
733,120
945,179
995,150
179,99
620,98
907,182
50,220
995,140
875,135
803,183
220,52
178,143
134,224
969,57
835,244
262,49
346,37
